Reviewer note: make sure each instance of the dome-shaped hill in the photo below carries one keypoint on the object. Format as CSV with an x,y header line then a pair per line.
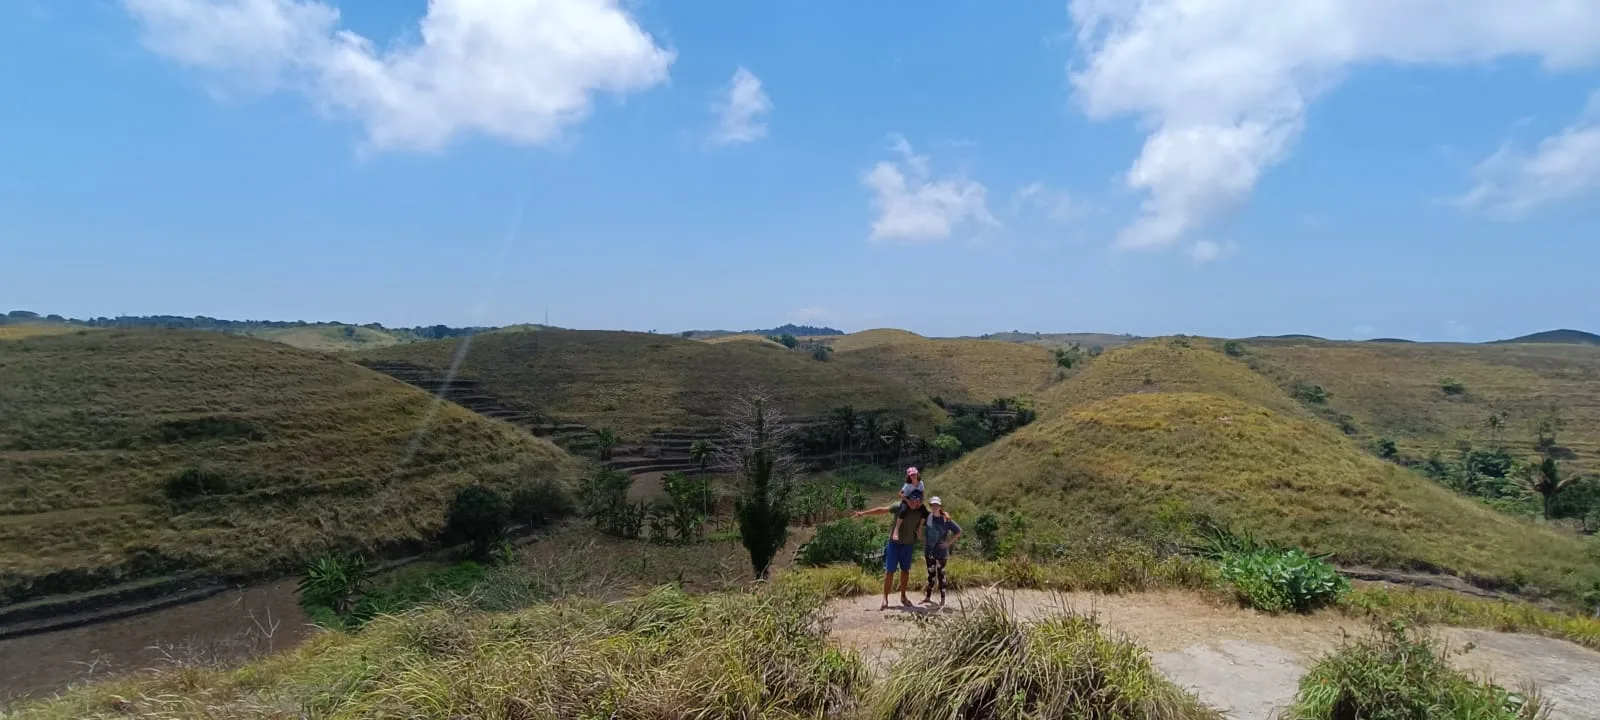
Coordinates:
x,y
744,337
963,371
129,453
1114,463
639,382
1166,365
868,338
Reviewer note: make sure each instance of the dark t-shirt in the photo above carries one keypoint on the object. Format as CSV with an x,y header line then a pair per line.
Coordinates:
x,y
908,522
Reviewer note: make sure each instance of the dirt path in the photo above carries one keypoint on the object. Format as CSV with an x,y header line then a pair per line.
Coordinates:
x,y
1242,662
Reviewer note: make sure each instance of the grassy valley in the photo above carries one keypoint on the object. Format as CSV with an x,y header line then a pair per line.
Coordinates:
x,y
635,383
128,453
961,371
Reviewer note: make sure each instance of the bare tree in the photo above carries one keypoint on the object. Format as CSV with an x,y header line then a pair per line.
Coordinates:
x,y
758,449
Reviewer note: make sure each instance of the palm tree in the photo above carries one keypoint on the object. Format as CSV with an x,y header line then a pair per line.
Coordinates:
x,y
605,440
843,424
1546,480
895,437
700,451
1497,425
871,429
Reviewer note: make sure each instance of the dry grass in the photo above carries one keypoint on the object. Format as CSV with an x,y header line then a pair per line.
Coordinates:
x,y
311,449
1442,607
1393,390
1129,462
637,382
27,330
663,655
330,338
965,371
866,339
744,337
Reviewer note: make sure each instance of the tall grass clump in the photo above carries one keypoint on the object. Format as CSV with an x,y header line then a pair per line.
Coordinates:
x,y
1442,607
986,664
842,541
666,654
1401,673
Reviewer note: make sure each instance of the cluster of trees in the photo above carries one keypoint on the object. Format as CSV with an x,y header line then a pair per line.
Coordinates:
x,y
681,517
1518,483
1074,355
973,426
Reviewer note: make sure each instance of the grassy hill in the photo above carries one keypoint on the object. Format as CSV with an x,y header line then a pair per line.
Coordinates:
x,y
638,382
1149,430
1397,391
27,330
332,338
965,371
1058,340
286,451
1570,337
745,337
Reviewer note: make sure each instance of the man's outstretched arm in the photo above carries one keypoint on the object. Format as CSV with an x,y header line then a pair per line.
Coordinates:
x,y
874,511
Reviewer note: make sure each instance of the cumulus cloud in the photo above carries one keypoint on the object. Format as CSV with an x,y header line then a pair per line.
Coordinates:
x,y
1224,84
1056,205
518,70
1564,166
742,113
1204,251
915,207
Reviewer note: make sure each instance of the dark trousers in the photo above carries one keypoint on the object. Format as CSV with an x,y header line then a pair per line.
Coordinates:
x,y
936,573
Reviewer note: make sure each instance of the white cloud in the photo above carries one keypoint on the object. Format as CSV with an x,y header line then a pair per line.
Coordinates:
x,y
1204,251
1564,166
1224,84
1057,205
519,70
915,207
742,114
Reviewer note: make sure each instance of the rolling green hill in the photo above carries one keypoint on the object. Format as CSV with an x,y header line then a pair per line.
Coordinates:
x,y
638,382
1569,337
126,453
1397,391
963,371
1156,427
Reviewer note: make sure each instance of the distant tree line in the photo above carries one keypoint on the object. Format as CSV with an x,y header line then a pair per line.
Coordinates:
x,y
202,322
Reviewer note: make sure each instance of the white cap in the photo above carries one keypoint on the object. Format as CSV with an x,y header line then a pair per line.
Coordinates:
x,y
934,500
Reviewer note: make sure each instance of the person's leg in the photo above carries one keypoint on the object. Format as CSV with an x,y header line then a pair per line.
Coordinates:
x,y
942,581
905,584
888,573
927,589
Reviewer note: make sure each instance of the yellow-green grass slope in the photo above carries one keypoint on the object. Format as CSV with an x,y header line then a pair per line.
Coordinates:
x,y
331,338
963,371
1394,390
639,382
299,450
1117,454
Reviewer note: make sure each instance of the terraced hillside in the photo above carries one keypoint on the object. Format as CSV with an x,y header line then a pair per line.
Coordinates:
x,y
135,453
636,383
1397,391
962,371
1157,428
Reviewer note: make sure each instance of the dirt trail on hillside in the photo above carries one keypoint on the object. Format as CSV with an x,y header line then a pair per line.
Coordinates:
x,y
1242,662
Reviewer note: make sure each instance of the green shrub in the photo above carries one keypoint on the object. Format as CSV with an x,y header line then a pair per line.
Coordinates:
x,y
478,516
194,483
1307,392
1233,348
989,665
1452,386
1283,580
986,530
841,541
540,503
1401,674
333,582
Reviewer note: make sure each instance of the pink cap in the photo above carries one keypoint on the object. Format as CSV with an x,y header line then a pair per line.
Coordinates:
x,y
912,471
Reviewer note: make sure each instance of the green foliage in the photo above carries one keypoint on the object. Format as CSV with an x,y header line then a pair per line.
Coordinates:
x,y
195,483
1069,357
1233,348
1452,386
758,442
1307,392
988,664
700,451
334,582
1545,480
1401,673
416,590
479,516
606,440
986,531
603,498
540,502
788,341
1385,448
948,446
1280,581
842,541
821,352
689,504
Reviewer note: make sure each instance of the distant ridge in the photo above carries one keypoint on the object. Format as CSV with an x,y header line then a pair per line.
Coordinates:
x,y
1291,336
789,329
1563,337
1389,340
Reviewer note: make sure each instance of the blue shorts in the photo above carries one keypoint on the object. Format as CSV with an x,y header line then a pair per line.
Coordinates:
x,y
897,555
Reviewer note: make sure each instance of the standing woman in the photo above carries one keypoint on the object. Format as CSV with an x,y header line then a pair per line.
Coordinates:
x,y
942,532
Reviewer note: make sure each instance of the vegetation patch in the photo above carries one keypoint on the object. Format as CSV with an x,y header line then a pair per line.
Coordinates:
x,y
1442,607
1401,673
987,664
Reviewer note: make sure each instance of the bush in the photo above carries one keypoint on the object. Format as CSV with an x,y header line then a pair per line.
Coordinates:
x,y
1282,580
986,530
540,503
193,483
1401,674
1452,386
1307,392
1233,348
986,664
841,541
1385,448
604,498
479,516
333,582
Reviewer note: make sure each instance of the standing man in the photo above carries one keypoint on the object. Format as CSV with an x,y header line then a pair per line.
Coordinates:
x,y
941,535
905,530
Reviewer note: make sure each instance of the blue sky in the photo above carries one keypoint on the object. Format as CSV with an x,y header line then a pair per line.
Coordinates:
x,y
1226,167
